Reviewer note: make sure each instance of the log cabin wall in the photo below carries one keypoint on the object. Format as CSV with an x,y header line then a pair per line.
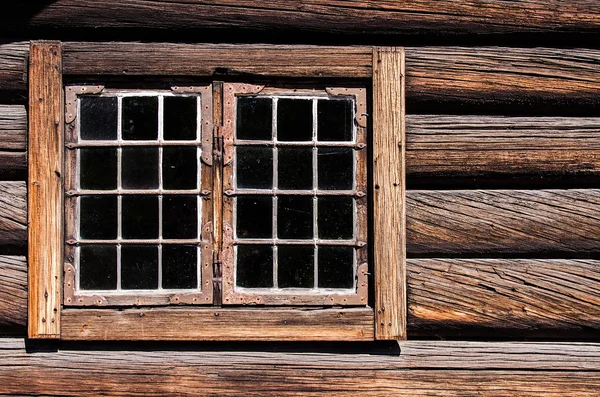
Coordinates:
x,y
503,201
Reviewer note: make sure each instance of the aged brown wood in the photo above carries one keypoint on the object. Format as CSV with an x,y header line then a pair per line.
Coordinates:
x,y
45,149
258,324
352,18
13,215
439,145
13,127
421,369
389,207
504,297
493,222
83,58
13,67
13,295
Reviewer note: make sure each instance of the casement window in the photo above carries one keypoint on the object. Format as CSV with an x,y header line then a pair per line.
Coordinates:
x,y
246,209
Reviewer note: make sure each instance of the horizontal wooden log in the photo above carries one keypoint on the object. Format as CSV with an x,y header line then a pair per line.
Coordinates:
x,y
573,370
467,146
500,222
504,298
13,295
13,215
439,145
356,17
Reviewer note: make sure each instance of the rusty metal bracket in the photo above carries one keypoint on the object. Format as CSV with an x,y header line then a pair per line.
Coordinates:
x,y
71,93
361,104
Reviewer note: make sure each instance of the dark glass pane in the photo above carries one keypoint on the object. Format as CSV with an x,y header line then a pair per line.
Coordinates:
x,y
140,118
139,168
295,266
254,167
139,267
97,267
336,267
335,168
334,120
98,168
294,167
98,217
254,118
180,167
295,217
335,217
294,120
98,118
254,217
254,266
139,217
179,266
180,118
180,217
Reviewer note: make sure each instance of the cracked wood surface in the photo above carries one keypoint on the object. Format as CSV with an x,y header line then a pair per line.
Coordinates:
x,y
13,216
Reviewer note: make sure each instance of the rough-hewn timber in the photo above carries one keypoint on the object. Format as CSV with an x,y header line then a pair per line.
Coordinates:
x,y
436,369
351,18
519,298
437,145
13,215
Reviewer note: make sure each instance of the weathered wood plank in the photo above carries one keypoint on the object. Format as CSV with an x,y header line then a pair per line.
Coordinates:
x,y
13,215
13,295
495,222
257,373
504,297
13,66
356,17
354,324
13,127
123,59
44,189
452,146
389,191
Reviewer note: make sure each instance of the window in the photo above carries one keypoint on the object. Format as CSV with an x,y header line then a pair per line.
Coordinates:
x,y
219,210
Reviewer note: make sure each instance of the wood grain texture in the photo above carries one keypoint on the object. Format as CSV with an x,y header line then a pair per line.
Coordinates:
x,y
13,215
13,127
123,59
13,298
504,298
45,150
496,222
389,191
421,369
355,17
13,66
453,146
218,324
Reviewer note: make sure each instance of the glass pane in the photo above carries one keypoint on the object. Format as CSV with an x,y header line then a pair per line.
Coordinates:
x,y
97,267
254,216
295,266
139,168
254,167
335,217
294,120
139,267
180,118
140,118
294,168
336,267
335,167
179,266
180,217
180,168
139,217
98,168
98,217
334,120
254,266
295,217
254,118
98,118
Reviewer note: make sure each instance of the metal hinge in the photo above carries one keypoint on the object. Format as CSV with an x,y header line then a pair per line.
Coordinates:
x,y
217,278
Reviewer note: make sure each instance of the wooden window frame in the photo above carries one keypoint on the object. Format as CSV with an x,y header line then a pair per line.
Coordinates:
x,y
384,66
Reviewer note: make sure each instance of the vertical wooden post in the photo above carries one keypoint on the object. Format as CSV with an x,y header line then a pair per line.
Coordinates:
x,y
389,210
45,196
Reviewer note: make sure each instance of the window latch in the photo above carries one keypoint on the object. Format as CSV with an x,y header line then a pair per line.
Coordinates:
x,y
217,278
